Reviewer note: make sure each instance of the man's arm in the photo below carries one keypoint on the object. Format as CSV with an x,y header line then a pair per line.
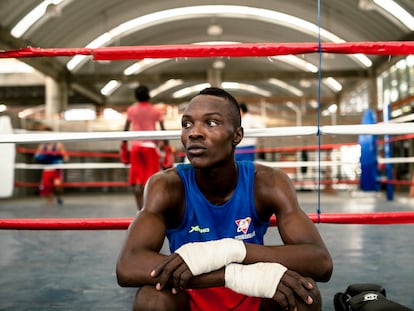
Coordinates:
x,y
145,237
303,250
62,149
127,125
285,273
162,127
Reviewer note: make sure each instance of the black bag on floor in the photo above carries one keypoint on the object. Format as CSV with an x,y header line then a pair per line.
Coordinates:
x,y
365,297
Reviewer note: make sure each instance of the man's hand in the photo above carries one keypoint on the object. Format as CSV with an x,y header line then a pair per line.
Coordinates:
x,y
291,287
173,272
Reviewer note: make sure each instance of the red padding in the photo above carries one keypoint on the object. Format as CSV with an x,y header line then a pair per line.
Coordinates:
x,y
378,218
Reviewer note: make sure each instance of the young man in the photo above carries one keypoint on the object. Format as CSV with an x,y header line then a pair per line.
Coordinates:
x,y
215,212
144,157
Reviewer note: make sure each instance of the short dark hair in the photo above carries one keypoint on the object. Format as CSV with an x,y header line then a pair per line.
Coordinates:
x,y
235,110
243,107
142,93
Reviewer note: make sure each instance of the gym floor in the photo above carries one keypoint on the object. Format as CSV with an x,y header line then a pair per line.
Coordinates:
x,y
75,270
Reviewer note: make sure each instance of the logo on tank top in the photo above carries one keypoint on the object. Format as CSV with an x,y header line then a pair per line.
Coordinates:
x,y
198,229
243,224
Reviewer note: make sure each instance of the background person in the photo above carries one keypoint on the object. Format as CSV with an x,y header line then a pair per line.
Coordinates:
x,y
51,184
245,150
215,212
144,157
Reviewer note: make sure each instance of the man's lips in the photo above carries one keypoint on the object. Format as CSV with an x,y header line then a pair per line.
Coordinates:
x,y
196,149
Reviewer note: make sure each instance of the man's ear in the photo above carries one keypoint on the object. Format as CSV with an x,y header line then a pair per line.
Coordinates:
x,y
238,135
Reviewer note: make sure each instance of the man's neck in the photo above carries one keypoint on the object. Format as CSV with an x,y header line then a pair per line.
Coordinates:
x,y
217,184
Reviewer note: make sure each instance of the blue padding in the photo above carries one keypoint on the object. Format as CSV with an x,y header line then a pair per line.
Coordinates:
x,y
368,160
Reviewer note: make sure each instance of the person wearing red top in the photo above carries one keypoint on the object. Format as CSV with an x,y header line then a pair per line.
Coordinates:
x,y
144,157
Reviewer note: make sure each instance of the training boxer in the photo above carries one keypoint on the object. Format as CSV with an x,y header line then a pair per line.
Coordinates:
x,y
215,212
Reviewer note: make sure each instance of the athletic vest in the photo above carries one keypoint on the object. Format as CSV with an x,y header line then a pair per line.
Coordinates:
x,y
47,156
203,221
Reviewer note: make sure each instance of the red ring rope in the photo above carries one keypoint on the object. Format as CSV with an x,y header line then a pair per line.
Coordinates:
x,y
227,50
377,218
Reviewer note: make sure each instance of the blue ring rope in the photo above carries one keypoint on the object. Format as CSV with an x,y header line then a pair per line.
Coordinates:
x,y
319,110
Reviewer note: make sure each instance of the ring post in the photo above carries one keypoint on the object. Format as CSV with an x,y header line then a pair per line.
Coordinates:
x,y
368,159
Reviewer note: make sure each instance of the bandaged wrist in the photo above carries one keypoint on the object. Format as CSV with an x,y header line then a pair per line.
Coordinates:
x,y
204,257
255,280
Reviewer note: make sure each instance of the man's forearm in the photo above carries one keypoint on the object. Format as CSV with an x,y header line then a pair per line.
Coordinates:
x,y
211,279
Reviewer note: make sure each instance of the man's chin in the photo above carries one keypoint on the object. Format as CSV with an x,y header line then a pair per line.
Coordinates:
x,y
197,162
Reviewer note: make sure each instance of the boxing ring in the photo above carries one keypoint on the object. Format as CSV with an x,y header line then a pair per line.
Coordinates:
x,y
110,224
397,229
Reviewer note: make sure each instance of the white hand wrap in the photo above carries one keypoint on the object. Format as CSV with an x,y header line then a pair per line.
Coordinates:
x,y
255,280
204,257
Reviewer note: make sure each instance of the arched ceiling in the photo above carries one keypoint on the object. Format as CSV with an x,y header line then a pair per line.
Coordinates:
x,y
77,23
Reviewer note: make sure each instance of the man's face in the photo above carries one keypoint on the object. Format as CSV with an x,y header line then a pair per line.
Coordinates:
x,y
207,131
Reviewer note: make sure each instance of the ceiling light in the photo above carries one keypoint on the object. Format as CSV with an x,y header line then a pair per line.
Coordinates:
x,y
219,64
214,30
166,86
333,84
142,65
32,17
110,87
398,12
296,62
333,108
245,87
305,83
286,86
190,90
313,103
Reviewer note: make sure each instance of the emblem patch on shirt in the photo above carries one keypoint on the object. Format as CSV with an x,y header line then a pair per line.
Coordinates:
x,y
243,224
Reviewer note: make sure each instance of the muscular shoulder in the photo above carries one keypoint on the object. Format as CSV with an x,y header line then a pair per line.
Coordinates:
x,y
273,189
268,176
164,195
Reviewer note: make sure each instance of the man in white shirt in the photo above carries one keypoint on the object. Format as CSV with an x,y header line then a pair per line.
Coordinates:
x,y
245,150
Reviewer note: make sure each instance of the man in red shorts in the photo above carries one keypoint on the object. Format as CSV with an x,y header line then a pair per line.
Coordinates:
x,y
144,157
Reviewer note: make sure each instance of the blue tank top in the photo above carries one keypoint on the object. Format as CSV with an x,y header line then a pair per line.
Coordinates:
x,y
49,156
202,221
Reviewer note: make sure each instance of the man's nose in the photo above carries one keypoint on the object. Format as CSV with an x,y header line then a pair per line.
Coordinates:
x,y
196,131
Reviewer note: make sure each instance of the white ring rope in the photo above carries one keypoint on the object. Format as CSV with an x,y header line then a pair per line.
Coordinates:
x,y
108,165
287,164
361,129
369,129
91,165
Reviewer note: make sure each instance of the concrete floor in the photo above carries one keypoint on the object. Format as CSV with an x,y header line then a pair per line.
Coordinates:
x,y
75,270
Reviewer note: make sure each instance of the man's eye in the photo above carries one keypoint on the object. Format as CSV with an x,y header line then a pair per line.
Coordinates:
x,y
185,124
212,123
